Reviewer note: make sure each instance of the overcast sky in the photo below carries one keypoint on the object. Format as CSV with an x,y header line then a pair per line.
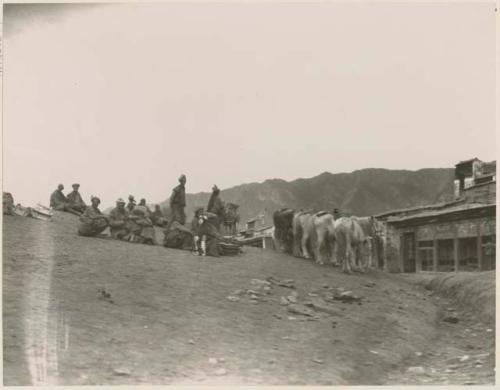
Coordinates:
x,y
123,98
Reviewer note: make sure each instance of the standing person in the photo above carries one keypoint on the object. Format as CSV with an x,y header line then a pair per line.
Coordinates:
x,y
75,200
216,206
118,221
131,203
93,222
178,201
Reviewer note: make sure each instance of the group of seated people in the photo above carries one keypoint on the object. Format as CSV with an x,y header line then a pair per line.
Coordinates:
x,y
135,223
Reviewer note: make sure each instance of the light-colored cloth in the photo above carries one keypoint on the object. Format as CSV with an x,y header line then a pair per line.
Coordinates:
x,y
118,223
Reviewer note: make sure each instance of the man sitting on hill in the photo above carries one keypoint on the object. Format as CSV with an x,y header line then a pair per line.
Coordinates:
x,y
75,200
131,203
140,227
93,222
58,201
142,203
118,220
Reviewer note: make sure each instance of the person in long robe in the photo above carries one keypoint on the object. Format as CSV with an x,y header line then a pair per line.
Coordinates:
x,y
118,221
216,206
75,200
92,222
178,201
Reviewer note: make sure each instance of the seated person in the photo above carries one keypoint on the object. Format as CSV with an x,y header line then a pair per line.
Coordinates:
x,y
178,236
207,235
93,222
140,227
118,221
75,200
59,202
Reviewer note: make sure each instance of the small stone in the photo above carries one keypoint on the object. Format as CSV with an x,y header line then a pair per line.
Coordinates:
x,y
292,318
452,319
222,360
418,354
277,316
416,370
464,358
284,301
374,352
489,330
191,341
232,298
221,371
319,361
122,371
212,360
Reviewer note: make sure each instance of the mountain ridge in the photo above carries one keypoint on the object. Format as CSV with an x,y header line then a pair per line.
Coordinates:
x,y
361,192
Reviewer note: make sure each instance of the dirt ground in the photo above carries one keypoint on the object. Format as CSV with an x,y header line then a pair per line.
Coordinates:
x,y
175,318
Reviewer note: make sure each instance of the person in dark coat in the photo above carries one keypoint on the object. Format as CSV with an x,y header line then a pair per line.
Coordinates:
x,y
216,206
118,221
158,218
59,202
178,201
75,200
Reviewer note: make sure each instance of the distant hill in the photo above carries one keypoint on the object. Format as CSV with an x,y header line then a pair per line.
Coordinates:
x,y
363,192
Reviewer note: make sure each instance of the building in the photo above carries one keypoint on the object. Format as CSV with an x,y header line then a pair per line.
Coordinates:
x,y
454,236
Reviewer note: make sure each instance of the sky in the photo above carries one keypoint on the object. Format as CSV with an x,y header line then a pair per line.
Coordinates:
x,y
123,98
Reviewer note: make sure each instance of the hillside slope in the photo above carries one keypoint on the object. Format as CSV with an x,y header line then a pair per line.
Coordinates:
x,y
362,192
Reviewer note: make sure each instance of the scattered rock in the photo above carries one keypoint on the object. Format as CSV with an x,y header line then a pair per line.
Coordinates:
x,y
191,342
418,354
346,296
312,294
284,301
238,292
221,371
489,330
370,284
121,371
319,361
292,318
222,360
232,298
300,309
374,352
464,358
416,370
212,360
452,319
292,299
283,283
277,316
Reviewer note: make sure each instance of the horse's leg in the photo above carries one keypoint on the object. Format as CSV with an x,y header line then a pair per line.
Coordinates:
x,y
317,247
305,238
347,257
296,240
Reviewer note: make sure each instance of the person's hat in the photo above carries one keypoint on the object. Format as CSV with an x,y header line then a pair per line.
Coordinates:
x,y
92,198
131,197
120,200
75,185
182,177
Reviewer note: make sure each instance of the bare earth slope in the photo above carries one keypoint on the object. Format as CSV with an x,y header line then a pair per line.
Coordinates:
x,y
170,316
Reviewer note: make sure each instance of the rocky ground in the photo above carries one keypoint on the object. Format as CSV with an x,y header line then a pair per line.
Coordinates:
x,y
259,318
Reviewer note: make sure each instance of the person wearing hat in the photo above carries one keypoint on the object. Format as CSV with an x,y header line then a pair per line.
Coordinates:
x,y
75,200
142,203
118,221
93,222
58,201
131,203
216,206
178,201
158,217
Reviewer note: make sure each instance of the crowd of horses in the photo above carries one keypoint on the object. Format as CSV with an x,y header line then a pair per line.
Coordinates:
x,y
352,242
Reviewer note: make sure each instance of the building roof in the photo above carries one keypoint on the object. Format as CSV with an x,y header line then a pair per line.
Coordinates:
x,y
468,210
413,210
